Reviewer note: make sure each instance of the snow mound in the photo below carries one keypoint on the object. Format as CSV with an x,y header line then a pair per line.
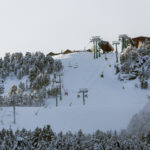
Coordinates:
x,y
140,123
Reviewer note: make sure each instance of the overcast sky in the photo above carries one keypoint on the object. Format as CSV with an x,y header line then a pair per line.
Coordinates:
x,y
55,25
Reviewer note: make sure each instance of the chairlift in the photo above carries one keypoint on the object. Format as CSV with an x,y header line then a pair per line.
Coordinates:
x,y
69,65
102,75
76,66
86,96
1,81
78,96
109,65
106,58
66,93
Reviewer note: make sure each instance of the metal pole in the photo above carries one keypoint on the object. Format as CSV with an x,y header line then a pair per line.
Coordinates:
x,y
60,87
94,49
99,53
56,100
116,53
14,110
95,40
116,43
83,91
83,99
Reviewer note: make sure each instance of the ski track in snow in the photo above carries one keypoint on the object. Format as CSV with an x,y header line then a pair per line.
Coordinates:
x,y
108,106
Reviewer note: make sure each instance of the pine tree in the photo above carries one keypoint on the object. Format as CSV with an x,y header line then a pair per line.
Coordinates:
x,y
13,93
32,75
22,86
1,92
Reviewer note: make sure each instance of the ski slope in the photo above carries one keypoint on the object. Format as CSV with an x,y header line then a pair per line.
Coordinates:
x,y
110,104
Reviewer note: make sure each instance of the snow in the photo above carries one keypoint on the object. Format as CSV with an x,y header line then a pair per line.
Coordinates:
x,y
110,104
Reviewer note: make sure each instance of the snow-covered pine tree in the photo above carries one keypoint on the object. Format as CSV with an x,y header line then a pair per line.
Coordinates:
x,y
32,74
13,93
1,92
22,86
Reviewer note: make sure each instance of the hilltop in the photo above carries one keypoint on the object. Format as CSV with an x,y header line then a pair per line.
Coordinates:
x,y
109,104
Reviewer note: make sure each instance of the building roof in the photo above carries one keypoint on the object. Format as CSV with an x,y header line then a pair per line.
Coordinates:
x,y
106,46
140,39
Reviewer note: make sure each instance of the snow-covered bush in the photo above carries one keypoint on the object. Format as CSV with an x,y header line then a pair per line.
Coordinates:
x,y
135,63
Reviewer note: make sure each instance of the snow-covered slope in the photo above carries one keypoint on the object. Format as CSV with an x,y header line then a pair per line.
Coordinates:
x,y
110,104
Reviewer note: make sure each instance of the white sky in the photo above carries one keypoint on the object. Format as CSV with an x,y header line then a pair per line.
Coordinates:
x,y
55,25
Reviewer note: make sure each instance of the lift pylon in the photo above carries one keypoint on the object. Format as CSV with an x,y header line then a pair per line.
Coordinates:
x,y
95,40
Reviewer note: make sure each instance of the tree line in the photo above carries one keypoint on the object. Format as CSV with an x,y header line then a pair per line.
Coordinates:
x,y
38,70
44,138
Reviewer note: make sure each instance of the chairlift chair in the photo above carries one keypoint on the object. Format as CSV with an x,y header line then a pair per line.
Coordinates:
x,y
75,67
106,58
102,75
78,96
86,95
66,93
69,65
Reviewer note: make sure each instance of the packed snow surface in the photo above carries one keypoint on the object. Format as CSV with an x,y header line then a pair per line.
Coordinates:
x,y
109,106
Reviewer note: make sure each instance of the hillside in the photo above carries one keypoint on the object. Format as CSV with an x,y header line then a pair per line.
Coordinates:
x,y
110,103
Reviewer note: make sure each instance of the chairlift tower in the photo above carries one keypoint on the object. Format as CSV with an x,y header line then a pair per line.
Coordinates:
x,y
58,86
116,43
125,41
60,82
95,40
123,38
84,94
